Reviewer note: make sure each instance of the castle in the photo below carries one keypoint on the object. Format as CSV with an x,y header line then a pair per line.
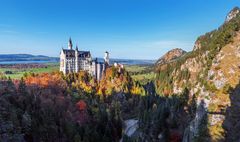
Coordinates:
x,y
73,61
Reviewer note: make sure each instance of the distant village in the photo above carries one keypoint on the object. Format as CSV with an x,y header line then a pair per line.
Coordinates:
x,y
75,60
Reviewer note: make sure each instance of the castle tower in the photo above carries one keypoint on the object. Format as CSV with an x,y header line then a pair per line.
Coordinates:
x,y
63,64
70,44
106,58
76,60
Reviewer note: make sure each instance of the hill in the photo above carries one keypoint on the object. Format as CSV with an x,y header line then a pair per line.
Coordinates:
x,y
171,56
25,57
208,72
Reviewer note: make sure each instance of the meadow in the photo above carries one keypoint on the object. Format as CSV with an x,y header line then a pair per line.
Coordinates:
x,y
17,73
141,73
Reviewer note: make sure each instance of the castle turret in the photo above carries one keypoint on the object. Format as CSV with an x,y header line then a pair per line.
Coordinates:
x,y
70,44
106,58
76,59
63,65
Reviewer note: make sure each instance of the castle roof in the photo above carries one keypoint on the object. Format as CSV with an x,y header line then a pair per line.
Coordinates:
x,y
71,53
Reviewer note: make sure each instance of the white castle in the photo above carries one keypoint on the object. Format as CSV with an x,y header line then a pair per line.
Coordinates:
x,y
73,61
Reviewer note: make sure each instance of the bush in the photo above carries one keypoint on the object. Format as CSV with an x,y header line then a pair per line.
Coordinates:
x,y
8,72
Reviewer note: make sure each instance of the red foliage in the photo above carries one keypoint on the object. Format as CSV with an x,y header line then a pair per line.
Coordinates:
x,y
16,83
175,136
82,115
81,105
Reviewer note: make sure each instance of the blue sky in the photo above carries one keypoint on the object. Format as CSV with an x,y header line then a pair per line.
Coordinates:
x,y
130,29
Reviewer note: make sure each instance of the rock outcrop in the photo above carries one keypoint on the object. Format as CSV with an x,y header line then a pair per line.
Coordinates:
x,y
232,121
193,129
232,14
208,72
171,56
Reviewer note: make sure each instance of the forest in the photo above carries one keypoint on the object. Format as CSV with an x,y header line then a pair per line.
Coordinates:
x,y
76,107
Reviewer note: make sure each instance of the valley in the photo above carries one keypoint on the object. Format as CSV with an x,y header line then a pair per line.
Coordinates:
x,y
17,71
181,97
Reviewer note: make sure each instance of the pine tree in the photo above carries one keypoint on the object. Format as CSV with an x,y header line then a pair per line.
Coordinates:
x,y
22,89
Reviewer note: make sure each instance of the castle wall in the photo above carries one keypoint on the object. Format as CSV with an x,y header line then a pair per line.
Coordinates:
x,y
72,61
63,63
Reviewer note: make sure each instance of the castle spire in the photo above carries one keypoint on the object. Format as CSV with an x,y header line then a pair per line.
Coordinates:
x,y
106,58
76,47
70,43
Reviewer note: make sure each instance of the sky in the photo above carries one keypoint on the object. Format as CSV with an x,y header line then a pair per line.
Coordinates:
x,y
128,29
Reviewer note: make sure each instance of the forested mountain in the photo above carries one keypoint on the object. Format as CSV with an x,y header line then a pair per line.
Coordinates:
x,y
25,57
76,107
193,97
208,72
170,56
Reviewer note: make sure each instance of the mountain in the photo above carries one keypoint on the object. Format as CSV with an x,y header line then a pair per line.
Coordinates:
x,y
25,57
171,56
232,14
209,72
28,57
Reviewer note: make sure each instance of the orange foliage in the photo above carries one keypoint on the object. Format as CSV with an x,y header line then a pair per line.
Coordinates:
x,y
116,80
166,92
46,80
111,81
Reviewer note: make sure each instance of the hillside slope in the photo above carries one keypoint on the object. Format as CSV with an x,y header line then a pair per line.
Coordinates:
x,y
208,72
170,56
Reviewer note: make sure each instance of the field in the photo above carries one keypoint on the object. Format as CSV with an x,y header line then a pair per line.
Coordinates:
x,y
141,73
18,72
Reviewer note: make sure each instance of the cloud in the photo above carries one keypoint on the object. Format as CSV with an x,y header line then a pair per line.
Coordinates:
x,y
7,29
9,32
42,32
120,48
137,49
170,44
156,45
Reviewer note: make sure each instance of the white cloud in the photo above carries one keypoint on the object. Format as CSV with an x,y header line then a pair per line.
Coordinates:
x,y
9,32
127,49
138,49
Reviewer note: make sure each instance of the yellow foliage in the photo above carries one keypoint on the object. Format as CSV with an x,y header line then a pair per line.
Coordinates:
x,y
216,132
118,80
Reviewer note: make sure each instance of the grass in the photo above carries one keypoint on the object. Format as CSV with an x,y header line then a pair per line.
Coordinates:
x,y
141,77
136,68
141,73
18,73
230,61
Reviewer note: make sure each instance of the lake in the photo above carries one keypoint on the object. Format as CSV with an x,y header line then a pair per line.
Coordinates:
x,y
27,62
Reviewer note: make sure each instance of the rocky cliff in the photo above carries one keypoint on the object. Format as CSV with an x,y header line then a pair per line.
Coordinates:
x,y
232,14
208,72
170,56
232,122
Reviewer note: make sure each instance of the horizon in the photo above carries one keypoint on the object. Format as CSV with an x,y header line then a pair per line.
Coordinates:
x,y
147,29
59,57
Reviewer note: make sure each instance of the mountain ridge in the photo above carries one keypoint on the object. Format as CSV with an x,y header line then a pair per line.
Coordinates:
x,y
208,72
25,57
170,56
